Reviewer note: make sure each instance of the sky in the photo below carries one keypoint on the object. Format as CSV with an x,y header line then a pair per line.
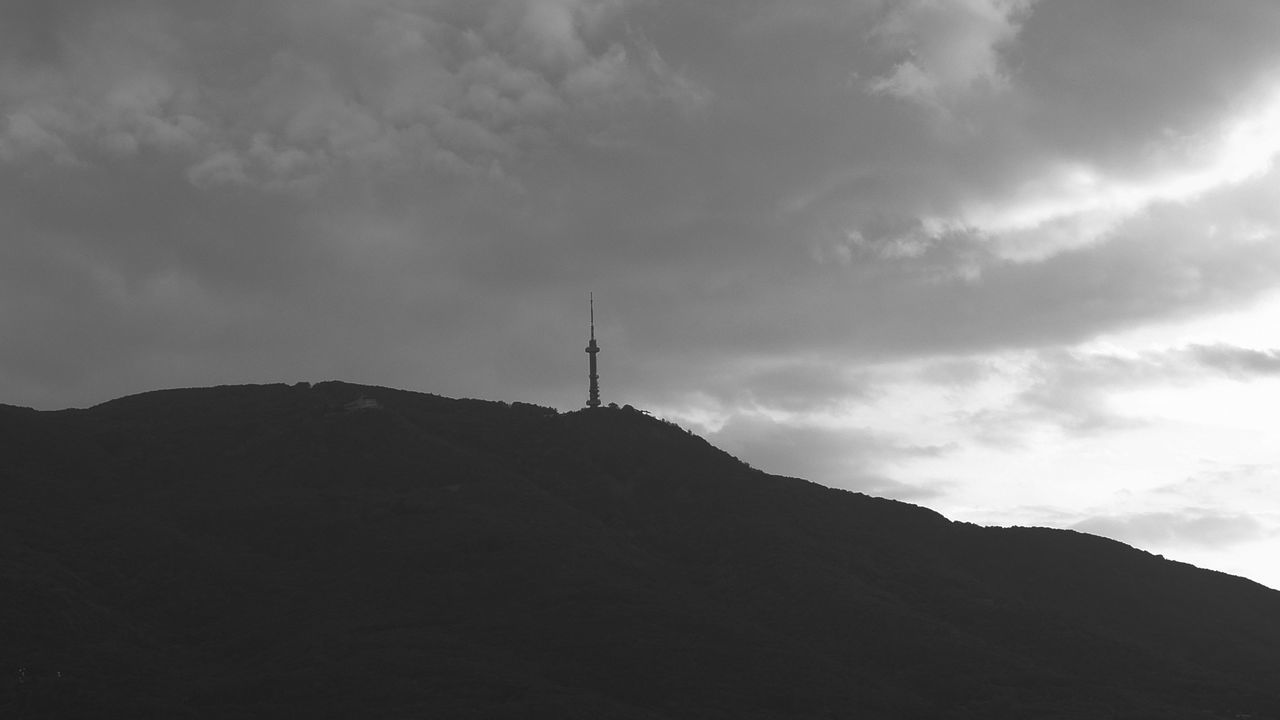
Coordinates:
x,y
1013,260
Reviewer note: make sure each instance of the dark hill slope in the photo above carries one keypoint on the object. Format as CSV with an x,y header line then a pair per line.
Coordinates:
x,y
276,551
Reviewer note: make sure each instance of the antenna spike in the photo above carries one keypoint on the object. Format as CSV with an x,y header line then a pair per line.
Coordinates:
x,y
593,396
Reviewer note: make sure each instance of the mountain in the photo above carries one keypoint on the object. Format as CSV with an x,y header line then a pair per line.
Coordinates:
x,y
347,551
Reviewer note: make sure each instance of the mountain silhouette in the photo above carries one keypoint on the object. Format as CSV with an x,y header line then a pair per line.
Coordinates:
x,y
344,551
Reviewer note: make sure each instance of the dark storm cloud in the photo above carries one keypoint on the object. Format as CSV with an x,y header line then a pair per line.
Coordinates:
x,y
421,194
328,195
1160,268
1110,78
318,89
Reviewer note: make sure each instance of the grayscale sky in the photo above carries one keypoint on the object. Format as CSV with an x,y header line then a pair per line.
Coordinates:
x,y
1012,260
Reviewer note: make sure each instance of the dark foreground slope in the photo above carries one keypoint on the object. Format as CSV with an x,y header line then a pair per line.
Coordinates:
x,y
280,552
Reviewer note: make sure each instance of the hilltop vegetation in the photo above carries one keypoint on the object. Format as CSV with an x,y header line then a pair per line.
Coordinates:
x,y
346,551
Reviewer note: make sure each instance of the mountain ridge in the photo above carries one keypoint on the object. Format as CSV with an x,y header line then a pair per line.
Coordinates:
x,y
248,551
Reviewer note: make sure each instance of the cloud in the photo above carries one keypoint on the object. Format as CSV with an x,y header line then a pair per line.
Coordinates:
x,y
1236,362
1116,83
761,227
848,457
1073,390
1083,137
951,48
781,385
331,87
1222,515
113,86
1075,202
1189,527
1218,484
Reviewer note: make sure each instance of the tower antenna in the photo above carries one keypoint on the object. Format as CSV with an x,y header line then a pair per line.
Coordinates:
x,y
593,397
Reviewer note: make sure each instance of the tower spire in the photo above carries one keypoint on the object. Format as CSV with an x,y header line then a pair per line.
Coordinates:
x,y
593,397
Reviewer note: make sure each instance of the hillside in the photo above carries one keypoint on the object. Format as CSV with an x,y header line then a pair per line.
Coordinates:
x,y
346,551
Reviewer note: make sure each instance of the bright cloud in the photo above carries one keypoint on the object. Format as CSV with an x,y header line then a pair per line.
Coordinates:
x,y
1195,527
1075,204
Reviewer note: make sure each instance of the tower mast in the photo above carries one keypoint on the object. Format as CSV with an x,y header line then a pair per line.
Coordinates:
x,y
593,399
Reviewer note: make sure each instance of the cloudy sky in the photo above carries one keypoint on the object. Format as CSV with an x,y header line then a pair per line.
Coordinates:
x,y
1012,260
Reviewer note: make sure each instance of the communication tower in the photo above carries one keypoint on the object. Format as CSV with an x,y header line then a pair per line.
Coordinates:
x,y
593,399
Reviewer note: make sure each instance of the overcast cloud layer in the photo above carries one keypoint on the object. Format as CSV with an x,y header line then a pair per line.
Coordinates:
x,y
993,256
